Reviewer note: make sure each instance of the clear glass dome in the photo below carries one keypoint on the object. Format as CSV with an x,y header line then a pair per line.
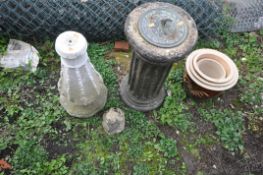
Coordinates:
x,y
81,87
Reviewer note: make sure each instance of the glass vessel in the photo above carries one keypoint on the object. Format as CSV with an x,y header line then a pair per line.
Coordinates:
x,y
81,87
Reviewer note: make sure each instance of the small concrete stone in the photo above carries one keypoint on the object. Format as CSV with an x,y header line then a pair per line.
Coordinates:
x,y
114,121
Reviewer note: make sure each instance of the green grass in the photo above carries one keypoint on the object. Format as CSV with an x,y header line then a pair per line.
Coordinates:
x,y
3,45
34,126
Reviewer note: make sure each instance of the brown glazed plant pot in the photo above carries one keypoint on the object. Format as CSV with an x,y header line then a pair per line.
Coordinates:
x,y
197,91
209,73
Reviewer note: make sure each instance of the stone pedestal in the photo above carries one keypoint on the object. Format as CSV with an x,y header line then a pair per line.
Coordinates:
x,y
81,87
159,34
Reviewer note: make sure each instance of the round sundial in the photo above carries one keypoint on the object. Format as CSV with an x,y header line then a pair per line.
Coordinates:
x,y
163,27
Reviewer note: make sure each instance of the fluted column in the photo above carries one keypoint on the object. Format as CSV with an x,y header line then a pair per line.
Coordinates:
x,y
158,38
146,79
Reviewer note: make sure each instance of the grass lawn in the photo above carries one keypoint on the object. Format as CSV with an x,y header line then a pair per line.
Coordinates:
x,y
220,136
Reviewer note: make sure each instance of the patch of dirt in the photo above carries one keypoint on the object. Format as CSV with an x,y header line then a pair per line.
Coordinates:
x,y
216,161
62,144
8,152
254,147
123,60
229,98
55,148
128,167
202,127
115,148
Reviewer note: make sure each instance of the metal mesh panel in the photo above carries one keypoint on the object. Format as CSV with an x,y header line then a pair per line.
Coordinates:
x,y
97,19
247,14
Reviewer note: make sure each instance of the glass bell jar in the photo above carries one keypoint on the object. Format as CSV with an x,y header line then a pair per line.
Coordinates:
x,y
81,87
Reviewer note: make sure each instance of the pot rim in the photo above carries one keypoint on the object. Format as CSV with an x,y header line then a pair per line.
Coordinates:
x,y
223,76
202,81
221,59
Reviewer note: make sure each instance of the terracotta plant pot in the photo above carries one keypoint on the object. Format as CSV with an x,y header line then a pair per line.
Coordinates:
x,y
212,71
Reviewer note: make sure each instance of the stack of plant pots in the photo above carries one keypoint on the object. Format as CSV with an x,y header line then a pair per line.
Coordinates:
x,y
209,73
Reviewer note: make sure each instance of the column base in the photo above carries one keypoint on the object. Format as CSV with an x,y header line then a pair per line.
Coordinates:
x,y
139,104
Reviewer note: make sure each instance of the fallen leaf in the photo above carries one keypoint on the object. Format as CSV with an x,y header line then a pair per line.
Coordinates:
x,y
4,165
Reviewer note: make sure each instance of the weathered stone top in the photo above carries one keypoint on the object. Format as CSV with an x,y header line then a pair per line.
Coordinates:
x,y
161,32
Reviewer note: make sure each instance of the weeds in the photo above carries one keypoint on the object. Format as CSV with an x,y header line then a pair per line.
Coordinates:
x,y
3,45
229,126
30,113
28,155
168,147
253,93
174,111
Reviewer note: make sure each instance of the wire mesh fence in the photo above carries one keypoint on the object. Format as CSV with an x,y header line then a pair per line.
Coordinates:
x,y
98,20
247,14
